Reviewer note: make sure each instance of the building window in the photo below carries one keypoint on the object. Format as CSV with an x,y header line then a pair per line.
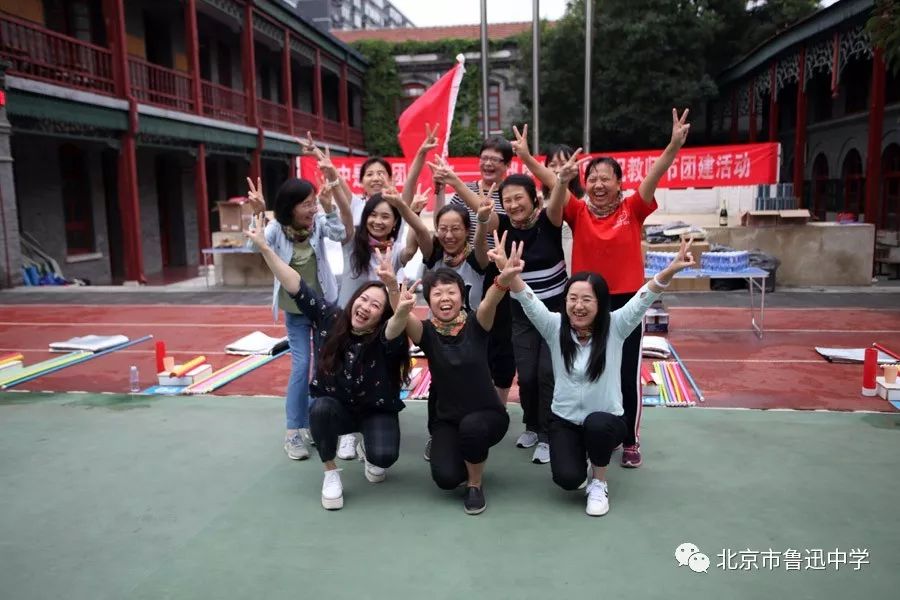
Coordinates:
x,y
890,202
494,124
854,182
856,81
76,197
411,92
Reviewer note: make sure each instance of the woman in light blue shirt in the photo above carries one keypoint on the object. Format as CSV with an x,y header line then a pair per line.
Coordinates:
x,y
585,344
297,235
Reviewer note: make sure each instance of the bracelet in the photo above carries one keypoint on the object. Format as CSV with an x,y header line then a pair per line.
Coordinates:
x,y
500,287
659,283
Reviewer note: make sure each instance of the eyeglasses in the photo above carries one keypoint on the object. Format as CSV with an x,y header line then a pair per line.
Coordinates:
x,y
491,160
446,230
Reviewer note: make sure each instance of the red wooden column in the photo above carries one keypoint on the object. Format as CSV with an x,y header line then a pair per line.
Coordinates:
x,y
192,43
286,80
343,106
129,205
773,104
800,129
317,92
734,116
876,127
201,195
248,56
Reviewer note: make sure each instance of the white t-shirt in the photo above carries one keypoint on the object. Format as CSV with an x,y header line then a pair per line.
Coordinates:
x,y
349,282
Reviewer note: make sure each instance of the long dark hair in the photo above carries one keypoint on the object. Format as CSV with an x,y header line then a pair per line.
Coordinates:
x,y
566,152
361,254
600,333
291,193
331,356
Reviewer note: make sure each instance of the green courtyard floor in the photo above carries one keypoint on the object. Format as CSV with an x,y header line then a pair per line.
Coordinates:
x,y
108,497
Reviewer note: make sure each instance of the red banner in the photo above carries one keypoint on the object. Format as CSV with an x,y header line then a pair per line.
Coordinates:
x,y
703,167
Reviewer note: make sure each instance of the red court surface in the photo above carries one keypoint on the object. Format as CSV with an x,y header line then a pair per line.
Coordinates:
x,y
732,366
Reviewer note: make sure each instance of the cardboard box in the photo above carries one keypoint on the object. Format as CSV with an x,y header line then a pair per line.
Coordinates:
x,y
771,218
682,285
235,214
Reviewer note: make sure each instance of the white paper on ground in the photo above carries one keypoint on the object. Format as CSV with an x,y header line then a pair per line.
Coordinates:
x,y
89,343
255,343
852,355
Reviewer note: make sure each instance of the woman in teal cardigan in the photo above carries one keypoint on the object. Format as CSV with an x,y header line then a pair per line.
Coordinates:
x,y
585,344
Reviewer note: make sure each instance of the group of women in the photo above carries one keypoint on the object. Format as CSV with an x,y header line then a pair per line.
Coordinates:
x,y
574,341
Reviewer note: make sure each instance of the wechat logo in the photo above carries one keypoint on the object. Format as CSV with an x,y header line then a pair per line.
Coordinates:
x,y
689,555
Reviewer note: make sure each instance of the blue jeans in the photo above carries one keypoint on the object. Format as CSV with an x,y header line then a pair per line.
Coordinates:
x,y
296,401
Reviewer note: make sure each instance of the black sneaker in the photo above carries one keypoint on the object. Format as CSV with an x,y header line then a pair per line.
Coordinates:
x,y
474,501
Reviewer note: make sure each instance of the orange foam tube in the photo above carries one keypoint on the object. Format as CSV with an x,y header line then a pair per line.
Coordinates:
x,y
180,370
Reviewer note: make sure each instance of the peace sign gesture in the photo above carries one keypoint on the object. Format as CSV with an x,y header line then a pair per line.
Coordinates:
x,y
680,128
308,146
520,144
256,232
498,254
407,299
441,170
385,269
571,168
431,140
514,265
255,195
420,199
486,202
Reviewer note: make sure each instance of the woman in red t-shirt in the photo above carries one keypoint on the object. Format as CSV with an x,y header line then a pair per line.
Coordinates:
x,y
606,234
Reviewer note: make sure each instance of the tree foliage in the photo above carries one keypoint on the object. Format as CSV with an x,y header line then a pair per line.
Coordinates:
x,y
884,28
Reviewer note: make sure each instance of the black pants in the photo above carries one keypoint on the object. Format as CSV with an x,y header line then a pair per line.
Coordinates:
x,y
330,418
630,374
535,369
455,444
598,436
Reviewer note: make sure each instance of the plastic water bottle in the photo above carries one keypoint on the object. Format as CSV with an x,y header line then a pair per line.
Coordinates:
x,y
134,380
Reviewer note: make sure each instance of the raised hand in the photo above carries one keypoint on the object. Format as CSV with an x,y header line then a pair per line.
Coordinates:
x,y
420,199
308,146
326,167
571,168
407,298
498,254
514,265
680,128
520,144
390,195
683,260
431,140
256,232
385,269
255,195
486,206
326,197
441,170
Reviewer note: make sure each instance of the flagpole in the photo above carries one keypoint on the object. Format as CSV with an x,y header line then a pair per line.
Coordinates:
x,y
535,76
588,25
485,120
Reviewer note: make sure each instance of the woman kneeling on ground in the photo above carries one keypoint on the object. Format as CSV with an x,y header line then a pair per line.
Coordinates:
x,y
469,417
359,372
586,346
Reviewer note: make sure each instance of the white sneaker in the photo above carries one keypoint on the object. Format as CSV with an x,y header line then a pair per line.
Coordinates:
x,y
527,439
295,448
541,454
373,473
597,498
347,447
332,490
307,437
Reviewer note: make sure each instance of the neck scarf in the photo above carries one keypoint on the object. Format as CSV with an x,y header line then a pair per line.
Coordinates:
x,y
295,235
583,335
361,332
454,260
532,219
451,328
385,245
606,209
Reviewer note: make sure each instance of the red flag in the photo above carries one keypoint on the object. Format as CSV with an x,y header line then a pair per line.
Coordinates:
x,y
435,106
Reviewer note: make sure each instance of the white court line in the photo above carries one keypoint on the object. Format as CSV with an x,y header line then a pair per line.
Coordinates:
x,y
775,330
118,324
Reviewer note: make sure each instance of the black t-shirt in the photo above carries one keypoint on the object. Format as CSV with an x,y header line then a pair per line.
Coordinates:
x,y
460,374
366,377
545,262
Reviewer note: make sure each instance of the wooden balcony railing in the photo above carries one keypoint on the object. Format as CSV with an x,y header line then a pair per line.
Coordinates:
x,y
334,131
304,121
220,102
153,84
273,116
39,53
357,139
